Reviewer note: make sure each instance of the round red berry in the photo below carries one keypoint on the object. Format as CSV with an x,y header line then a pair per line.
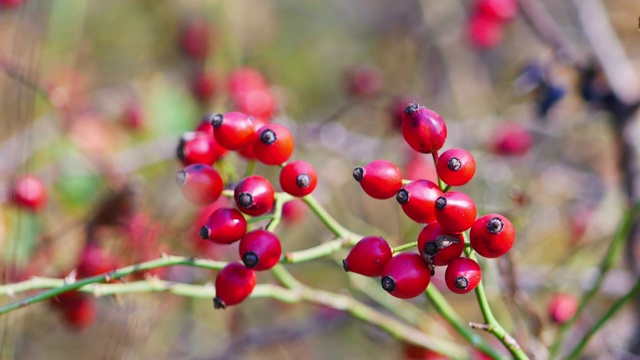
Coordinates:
x,y
294,211
254,195
199,148
462,275
260,250
258,102
94,260
562,307
368,257
224,226
406,275
423,129
200,184
418,200
273,144
484,32
455,211
492,235
233,130
298,178
438,247
456,167
79,311
234,283
512,139
245,79
380,179
29,192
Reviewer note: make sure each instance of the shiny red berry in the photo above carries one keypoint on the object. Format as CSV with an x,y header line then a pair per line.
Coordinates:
x,y
438,247
418,198
224,226
456,167
200,184
260,250
273,144
199,148
462,275
234,283
254,195
406,275
368,257
233,130
380,179
29,192
455,211
492,235
562,307
423,129
298,178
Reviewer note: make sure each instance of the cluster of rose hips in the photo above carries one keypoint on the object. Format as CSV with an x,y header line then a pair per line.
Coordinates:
x,y
446,215
254,195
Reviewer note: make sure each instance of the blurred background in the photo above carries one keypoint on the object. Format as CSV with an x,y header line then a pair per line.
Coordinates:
x,y
94,97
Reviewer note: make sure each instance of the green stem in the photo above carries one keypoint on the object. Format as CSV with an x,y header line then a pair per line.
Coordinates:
x,y
607,263
281,198
251,165
441,183
404,247
631,294
332,224
324,249
260,218
116,274
444,308
491,324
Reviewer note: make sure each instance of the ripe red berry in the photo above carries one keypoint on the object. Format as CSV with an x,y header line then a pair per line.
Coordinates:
x,y
233,130
462,275
456,167
418,200
78,311
423,129
200,184
29,192
380,179
438,247
199,148
562,307
204,87
406,275
455,211
260,250
368,257
245,79
492,235
512,139
365,81
224,226
298,178
273,144
294,211
258,102
484,32
254,195
195,39
499,10
234,283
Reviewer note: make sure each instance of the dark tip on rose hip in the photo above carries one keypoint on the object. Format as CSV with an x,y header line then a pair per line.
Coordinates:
x,y
268,137
303,181
245,200
344,265
495,225
431,248
204,233
402,197
218,304
461,282
181,177
454,164
441,203
411,108
358,173
216,120
250,259
388,283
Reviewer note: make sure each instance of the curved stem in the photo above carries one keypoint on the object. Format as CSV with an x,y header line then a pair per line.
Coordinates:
x,y
332,224
404,247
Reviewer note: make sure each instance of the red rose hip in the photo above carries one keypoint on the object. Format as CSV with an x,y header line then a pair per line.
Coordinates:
x,y
380,179
456,167
418,200
29,192
234,283
233,130
368,257
260,250
254,195
298,178
492,235
224,226
438,247
273,144
199,148
462,275
406,276
200,184
455,211
423,129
